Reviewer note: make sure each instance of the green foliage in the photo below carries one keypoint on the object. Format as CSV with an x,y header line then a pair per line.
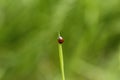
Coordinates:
x,y
28,39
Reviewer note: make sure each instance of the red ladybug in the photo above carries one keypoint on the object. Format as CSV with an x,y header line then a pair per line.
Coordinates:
x,y
60,40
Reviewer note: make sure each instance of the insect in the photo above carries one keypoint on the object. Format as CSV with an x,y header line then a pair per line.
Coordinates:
x,y
60,40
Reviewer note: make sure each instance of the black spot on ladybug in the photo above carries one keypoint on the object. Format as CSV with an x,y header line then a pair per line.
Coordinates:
x,y
60,40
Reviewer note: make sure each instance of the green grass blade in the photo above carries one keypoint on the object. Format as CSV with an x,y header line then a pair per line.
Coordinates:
x,y
61,61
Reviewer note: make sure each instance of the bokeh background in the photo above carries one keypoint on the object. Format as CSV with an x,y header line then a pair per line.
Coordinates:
x,y
28,39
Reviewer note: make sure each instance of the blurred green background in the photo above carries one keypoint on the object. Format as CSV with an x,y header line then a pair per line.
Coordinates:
x,y
28,39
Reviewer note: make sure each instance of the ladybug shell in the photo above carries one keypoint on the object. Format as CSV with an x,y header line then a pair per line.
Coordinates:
x,y
60,40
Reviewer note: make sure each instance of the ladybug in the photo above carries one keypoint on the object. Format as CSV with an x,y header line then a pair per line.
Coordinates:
x,y
60,40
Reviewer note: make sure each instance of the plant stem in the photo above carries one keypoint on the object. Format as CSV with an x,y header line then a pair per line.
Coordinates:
x,y
61,61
